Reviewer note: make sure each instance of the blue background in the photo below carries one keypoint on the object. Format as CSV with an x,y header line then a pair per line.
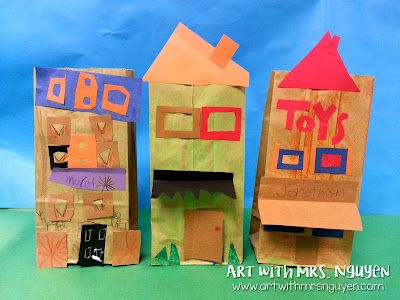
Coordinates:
x,y
274,35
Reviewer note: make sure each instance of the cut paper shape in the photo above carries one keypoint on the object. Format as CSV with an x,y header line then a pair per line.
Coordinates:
x,y
92,246
51,249
227,135
171,182
98,205
51,96
224,51
82,152
330,160
86,92
102,128
58,156
107,155
173,259
306,250
203,235
339,128
282,228
161,259
118,96
327,215
98,179
120,109
126,247
58,130
60,207
323,116
290,164
334,233
291,106
233,259
161,113
321,69
185,59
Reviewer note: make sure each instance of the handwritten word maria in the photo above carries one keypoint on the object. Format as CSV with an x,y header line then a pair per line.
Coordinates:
x,y
351,271
306,123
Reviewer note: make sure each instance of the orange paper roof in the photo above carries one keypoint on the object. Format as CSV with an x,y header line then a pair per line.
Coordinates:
x,y
188,59
327,215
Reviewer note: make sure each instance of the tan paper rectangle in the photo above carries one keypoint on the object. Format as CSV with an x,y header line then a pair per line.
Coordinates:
x,y
161,113
272,188
329,215
203,235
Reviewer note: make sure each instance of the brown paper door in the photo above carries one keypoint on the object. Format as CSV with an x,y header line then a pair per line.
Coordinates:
x,y
203,235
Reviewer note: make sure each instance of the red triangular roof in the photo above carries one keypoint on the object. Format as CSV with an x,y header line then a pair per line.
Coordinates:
x,y
321,69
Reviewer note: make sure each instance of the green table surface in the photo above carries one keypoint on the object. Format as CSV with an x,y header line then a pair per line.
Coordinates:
x,y
378,244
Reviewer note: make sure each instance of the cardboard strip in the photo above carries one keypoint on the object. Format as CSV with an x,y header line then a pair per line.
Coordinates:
x,y
308,190
161,132
327,215
172,182
228,135
118,96
97,179
126,247
203,235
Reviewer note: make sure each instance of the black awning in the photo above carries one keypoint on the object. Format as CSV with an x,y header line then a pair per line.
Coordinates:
x,y
172,182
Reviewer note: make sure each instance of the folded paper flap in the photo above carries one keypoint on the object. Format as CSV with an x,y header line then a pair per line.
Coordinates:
x,y
186,59
272,188
327,215
172,182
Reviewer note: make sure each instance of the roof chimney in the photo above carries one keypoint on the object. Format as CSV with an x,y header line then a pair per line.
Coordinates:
x,y
224,51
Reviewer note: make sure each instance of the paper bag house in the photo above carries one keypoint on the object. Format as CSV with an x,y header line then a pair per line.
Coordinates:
x,y
310,164
197,117
85,157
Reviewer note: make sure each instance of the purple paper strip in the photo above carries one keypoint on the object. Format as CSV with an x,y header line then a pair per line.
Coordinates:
x,y
132,85
91,179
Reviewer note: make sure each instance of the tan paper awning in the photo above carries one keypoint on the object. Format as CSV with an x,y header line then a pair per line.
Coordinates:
x,y
312,214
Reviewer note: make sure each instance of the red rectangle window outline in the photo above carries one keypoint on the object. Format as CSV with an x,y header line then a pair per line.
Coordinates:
x,y
227,135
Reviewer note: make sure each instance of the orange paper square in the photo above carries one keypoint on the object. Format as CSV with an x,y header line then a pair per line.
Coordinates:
x,y
98,205
56,211
82,152
58,130
107,155
126,247
102,128
51,249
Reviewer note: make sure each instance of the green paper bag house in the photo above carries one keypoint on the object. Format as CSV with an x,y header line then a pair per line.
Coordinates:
x,y
197,118
310,163
85,167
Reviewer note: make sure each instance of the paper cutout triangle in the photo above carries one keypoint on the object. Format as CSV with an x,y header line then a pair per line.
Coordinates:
x,y
321,69
105,156
188,59
101,125
61,207
58,129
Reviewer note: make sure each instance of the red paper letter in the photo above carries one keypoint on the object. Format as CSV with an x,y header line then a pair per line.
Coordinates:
x,y
292,106
310,123
323,116
339,128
